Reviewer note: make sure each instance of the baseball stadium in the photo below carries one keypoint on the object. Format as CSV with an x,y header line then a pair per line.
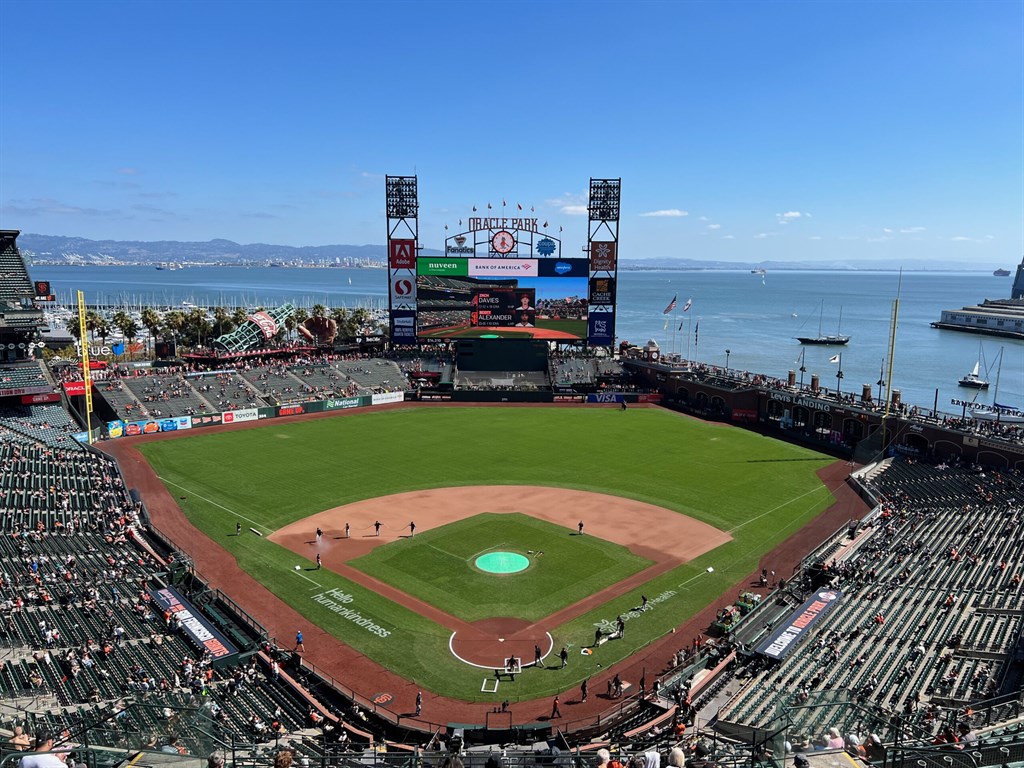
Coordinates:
x,y
482,529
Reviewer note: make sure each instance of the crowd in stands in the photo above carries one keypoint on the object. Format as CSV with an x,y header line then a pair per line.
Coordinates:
x,y
929,617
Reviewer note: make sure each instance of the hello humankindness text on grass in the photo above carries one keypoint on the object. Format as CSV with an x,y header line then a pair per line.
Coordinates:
x,y
334,600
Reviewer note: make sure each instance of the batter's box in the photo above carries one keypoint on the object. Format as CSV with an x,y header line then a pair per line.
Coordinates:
x,y
490,685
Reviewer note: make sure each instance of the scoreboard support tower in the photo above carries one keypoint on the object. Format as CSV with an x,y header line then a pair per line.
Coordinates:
x,y
402,205
603,251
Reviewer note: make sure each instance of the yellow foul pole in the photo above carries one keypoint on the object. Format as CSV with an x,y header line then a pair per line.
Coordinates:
x,y
86,371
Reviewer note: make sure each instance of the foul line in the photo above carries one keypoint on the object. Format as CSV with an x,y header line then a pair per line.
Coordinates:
x,y
211,501
551,647
302,576
780,506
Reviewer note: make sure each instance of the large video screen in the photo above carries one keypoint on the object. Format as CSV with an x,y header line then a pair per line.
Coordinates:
x,y
502,298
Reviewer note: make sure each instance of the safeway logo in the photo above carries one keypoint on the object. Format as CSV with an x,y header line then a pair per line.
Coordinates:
x,y
403,287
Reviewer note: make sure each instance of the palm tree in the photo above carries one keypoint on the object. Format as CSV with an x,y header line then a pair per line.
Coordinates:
x,y
126,324
319,310
102,329
151,321
93,320
197,325
239,316
301,316
221,321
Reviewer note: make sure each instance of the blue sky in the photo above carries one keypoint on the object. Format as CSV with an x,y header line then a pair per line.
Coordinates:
x,y
741,130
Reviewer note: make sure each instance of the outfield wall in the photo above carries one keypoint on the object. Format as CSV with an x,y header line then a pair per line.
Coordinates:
x,y
119,428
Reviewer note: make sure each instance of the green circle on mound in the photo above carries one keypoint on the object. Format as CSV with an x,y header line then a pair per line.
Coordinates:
x,y
489,336
502,562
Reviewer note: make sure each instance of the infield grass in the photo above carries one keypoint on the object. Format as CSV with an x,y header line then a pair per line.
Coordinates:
x,y
437,566
758,489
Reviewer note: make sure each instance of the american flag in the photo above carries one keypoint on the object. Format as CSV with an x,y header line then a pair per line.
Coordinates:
x,y
671,305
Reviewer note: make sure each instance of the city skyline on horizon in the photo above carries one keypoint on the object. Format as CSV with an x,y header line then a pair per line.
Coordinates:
x,y
744,132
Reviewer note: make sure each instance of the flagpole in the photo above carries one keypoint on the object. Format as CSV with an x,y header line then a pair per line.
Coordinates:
x,y
689,327
839,377
803,367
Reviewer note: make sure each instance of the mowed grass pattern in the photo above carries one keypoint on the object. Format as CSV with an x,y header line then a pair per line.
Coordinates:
x,y
437,567
758,489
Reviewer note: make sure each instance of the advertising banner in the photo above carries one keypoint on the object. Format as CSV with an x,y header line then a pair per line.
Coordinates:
x,y
602,290
267,412
115,428
133,428
402,254
601,329
201,632
387,397
293,409
603,256
403,326
442,267
49,397
502,267
267,324
245,414
175,423
74,388
563,268
403,290
784,639
606,397
211,420
344,402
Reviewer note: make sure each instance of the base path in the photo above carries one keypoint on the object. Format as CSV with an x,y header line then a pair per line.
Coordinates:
x,y
655,533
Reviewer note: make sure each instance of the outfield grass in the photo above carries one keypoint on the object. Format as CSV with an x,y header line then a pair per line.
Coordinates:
x,y
437,567
758,489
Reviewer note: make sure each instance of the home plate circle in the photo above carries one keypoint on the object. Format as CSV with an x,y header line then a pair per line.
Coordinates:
x,y
502,562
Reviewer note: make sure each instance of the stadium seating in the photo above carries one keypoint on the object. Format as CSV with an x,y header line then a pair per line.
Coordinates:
x,y
930,610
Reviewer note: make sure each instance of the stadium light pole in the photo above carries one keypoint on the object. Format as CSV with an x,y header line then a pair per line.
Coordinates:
x,y
727,353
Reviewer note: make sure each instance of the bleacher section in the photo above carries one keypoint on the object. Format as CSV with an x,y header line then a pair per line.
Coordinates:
x,y
163,396
374,376
85,651
930,616
14,280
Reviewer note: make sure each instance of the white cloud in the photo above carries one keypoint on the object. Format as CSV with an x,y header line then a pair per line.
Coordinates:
x,y
887,230
760,235
911,230
666,213
990,237
703,218
882,239
959,239
814,237
714,226
790,215
574,210
728,237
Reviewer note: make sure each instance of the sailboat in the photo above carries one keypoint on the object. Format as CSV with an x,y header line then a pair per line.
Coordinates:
x,y
974,379
1005,414
836,339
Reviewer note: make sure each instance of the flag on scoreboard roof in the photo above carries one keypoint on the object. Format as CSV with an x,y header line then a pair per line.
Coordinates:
x,y
519,206
834,359
696,331
488,206
687,305
671,305
474,207
503,202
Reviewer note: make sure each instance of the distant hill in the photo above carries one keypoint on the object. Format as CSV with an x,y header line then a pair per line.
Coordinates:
x,y
55,249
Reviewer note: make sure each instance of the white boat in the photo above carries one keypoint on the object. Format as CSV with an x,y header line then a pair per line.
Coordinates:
x,y
1004,414
759,271
974,379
